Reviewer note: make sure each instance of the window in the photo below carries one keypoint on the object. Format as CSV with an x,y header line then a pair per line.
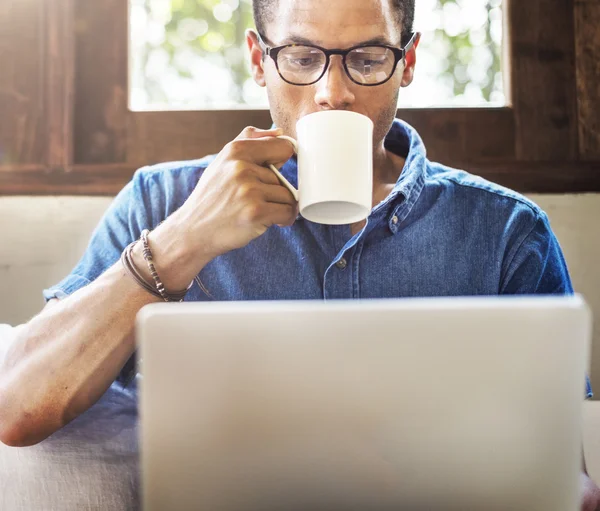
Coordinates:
x,y
65,90
459,59
176,44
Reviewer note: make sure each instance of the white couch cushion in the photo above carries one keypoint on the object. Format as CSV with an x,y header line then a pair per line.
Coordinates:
x,y
91,464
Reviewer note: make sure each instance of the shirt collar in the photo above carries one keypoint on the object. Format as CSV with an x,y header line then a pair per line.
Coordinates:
x,y
403,140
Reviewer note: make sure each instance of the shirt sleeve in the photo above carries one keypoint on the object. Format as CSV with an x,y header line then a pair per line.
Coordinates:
x,y
539,267
122,223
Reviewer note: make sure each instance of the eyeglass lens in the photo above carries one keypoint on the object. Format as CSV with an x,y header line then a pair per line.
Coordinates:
x,y
304,64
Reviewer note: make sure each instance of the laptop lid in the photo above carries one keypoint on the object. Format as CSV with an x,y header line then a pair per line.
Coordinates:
x,y
470,403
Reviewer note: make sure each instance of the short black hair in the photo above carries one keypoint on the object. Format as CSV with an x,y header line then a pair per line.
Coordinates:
x,y
404,10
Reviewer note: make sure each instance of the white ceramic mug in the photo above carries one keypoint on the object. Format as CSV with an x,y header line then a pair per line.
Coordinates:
x,y
335,167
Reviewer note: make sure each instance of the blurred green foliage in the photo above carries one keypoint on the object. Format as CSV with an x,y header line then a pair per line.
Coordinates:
x,y
461,52
213,31
220,36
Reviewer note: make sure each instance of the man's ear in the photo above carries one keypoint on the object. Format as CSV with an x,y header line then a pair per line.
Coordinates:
x,y
256,57
411,62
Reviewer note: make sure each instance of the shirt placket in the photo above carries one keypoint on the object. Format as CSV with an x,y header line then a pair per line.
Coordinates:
x,y
338,279
342,278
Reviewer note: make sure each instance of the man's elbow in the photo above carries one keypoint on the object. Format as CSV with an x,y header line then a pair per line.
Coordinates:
x,y
13,437
21,433
19,428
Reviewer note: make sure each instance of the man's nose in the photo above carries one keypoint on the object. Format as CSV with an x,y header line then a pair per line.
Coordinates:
x,y
334,89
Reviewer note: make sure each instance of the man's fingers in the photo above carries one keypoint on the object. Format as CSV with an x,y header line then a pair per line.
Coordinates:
x,y
281,214
278,194
264,174
261,147
262,150
280,164
252,132
270,150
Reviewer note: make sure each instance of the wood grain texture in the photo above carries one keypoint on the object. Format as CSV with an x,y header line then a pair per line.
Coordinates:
x,y
21,82
182,135
453,134
59,86
108,180
464,134
101,94
587,44
542,73
541,177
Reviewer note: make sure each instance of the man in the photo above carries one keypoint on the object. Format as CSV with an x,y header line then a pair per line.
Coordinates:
x,y
228,223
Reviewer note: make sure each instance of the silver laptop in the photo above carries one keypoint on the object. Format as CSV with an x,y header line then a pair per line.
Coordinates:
x,y
436,404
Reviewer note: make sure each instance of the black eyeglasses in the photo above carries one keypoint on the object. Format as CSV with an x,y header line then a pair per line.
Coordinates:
x,y
366,64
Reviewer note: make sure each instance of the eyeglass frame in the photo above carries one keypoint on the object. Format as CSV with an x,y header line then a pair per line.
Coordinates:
x,y
399,54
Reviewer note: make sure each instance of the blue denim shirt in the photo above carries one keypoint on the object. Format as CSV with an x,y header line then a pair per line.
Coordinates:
x,y
441,232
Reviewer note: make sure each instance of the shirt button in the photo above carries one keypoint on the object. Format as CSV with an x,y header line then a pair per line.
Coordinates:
x,y
341,264
395,220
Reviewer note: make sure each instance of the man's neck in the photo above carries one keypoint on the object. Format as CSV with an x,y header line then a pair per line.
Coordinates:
x,y
387,168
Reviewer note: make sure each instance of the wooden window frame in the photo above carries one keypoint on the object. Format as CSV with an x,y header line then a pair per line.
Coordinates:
x,y
547,140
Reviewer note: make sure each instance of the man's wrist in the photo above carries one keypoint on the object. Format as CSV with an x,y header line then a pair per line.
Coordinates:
x,y
175,260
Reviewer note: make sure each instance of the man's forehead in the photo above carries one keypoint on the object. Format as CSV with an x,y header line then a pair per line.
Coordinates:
x,y
337,23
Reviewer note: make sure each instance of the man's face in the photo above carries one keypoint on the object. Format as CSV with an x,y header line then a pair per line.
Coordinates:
x,y
331,24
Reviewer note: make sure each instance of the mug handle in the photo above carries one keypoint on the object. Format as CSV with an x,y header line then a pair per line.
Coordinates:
x,y
282,179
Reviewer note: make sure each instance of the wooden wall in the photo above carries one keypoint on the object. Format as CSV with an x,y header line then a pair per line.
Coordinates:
x,y
65,127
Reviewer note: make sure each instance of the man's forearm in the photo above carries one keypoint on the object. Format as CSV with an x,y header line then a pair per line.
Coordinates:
x,y
63,360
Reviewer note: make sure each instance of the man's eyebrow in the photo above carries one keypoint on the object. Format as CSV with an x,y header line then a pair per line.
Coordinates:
x,y
296,39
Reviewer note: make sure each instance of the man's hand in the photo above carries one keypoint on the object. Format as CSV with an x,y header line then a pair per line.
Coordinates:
x,y
235,201
590,494
238,198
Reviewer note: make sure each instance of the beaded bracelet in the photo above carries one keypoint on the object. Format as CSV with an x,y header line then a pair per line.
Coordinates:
x,y
127,262
158,289
148,257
